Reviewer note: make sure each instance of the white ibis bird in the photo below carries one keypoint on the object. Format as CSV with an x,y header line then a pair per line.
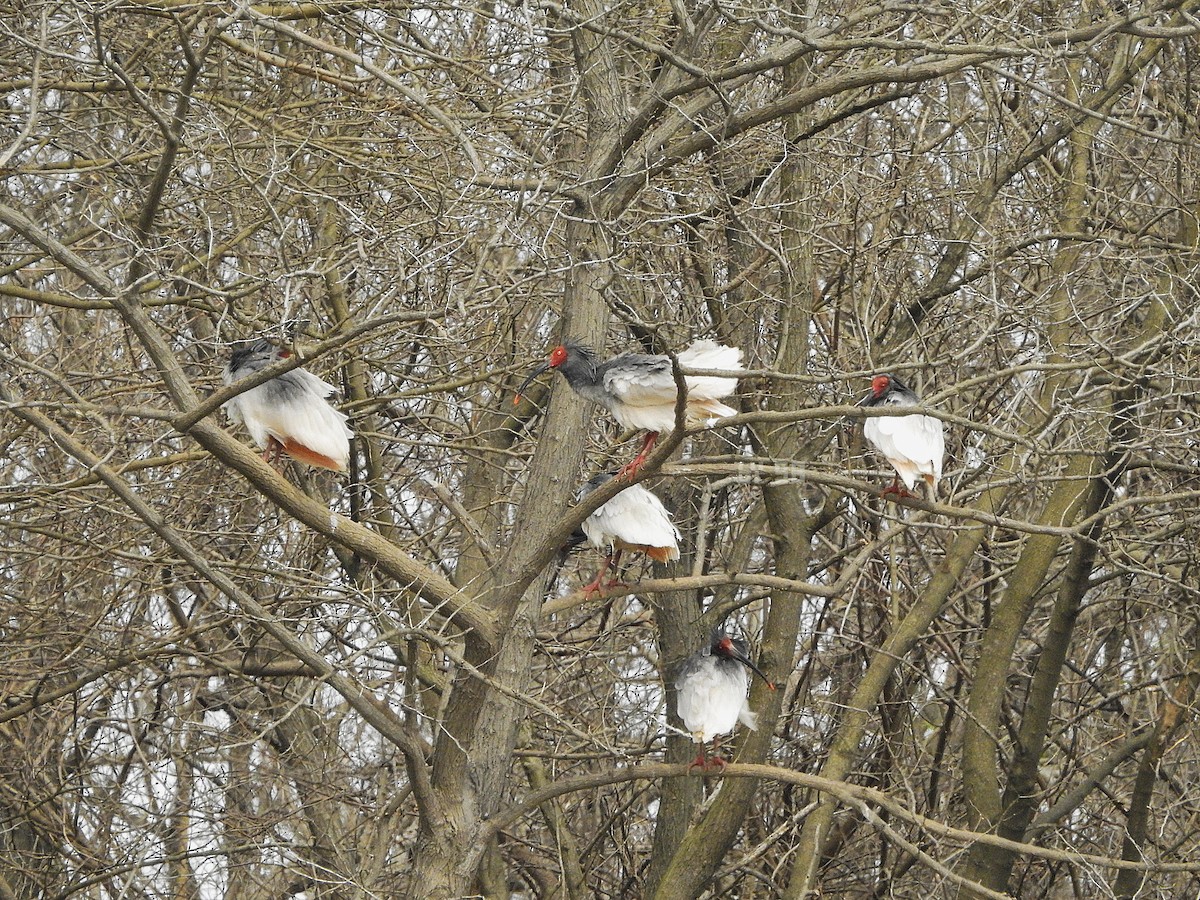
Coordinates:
x,y
634,519
639,389
913,444
711,692
288,414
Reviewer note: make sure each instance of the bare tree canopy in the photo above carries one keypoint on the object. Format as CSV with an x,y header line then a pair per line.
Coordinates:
x,y
225,676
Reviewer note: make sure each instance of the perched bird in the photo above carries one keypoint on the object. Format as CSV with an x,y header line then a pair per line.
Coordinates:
x,y
288,414
639,389
913,444
634,519
711,692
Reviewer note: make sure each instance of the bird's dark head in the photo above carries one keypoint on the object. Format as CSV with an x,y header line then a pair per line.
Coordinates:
x,y
728,647
591,484
731,648
572,359
885,386
251,356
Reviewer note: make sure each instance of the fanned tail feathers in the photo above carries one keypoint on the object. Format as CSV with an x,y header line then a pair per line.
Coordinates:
x,y
700,411
661,554
298,451
707,354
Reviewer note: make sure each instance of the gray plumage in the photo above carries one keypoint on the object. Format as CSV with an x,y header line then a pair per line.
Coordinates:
x,y
289,413
639,389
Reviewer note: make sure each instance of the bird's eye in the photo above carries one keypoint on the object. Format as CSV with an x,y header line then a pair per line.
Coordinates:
x,y
558,356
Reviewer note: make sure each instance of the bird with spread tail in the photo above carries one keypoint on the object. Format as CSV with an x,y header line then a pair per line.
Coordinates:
x,y
914,444
289,413
639,389
633,520
711,692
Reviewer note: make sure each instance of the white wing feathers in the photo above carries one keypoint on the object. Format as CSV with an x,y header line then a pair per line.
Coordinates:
x,y
708,354
711,699
295,416
914,445
644,387
634,517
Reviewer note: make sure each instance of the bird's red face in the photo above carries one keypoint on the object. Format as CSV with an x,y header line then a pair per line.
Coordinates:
x,y
879,384
726,649
558,356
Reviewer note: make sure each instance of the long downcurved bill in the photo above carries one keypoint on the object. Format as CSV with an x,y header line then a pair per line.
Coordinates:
x,y
745,661
544,367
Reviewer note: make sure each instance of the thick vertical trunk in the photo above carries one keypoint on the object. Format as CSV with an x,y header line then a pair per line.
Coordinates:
x,y
473,757
705,846
845,750
677,616
980,752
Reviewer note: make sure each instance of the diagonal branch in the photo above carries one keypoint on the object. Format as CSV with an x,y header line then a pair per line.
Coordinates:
x,y
431,587
376,713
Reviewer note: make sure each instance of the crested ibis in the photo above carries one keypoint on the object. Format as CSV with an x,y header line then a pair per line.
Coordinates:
x,y
289,413
711,692
913,444
634,519
639,389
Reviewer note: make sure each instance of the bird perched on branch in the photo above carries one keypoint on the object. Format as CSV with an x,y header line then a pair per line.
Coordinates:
x,y
639,389
289,413
913,444
711,692
635,520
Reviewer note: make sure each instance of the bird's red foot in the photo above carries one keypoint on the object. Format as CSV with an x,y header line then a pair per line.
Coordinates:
x,y
897,491
631,468
706,763
599,583
273,455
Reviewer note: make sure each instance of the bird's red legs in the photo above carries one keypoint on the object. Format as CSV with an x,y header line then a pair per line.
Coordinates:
x,y
610,561
597,583
894,488
273,455
706,762
630,468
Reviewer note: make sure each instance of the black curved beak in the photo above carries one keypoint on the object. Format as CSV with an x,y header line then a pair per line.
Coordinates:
x,y
544,367
745,661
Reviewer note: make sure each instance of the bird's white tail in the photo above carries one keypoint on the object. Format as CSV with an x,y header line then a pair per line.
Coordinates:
x,y
706,354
